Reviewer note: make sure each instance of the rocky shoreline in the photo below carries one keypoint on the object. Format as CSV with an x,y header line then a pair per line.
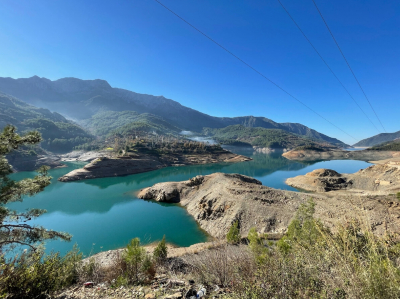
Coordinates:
x,y
217,200
364,155
379,179
119,166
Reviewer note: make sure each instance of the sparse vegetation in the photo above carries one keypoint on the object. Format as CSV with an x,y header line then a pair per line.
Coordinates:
x,y
313,262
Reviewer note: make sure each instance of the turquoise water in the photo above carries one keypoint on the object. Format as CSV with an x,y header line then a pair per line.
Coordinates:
x,y
104,214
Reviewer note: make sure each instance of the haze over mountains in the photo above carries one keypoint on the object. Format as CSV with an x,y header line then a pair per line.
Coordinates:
x,y
378,139
83,99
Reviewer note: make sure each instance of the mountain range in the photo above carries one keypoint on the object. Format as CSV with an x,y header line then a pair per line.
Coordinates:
x,y
378,139
86,101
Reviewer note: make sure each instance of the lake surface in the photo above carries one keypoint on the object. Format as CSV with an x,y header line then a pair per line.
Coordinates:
x,y
104,214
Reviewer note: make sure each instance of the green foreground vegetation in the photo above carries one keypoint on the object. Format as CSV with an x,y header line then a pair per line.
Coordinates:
x,y
311,261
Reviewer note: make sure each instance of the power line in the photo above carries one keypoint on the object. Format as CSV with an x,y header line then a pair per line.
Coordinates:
x,y
344,57
320,56
248,65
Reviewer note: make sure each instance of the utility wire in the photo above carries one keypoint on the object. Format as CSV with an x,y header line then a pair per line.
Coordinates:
x,y
344,57
248,65
320,56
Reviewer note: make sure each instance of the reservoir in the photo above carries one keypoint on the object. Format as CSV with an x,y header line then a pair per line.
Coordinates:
x,y
104,214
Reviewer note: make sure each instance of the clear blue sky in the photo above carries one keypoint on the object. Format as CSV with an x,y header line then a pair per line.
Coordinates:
x,y
140,46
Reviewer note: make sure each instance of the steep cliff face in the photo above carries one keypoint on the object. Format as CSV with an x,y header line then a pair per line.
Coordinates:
x,y
217,200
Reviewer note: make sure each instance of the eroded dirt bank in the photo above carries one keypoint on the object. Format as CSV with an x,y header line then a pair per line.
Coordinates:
x,y
217,200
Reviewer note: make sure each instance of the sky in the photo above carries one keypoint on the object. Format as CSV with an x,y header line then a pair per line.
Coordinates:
x,y
140,46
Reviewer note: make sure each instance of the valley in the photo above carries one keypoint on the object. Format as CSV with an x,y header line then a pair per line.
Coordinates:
x,y
127,165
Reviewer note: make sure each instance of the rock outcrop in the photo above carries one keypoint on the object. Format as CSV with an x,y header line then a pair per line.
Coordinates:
x,y
217,200
85,156
380,179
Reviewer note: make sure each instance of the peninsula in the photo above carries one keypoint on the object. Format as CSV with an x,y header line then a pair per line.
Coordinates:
x,y
143,156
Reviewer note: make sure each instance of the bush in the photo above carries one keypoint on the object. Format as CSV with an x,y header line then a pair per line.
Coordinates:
x,y
256,244
233,235
134,255
36,275
160,253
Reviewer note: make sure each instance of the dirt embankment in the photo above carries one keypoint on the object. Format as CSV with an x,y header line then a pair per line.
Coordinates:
x,y
364,155
379,179
120,166
217,200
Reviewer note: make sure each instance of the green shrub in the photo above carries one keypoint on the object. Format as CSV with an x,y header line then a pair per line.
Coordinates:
x,y
233,235
134,255
148,267
160,253
33,274
256,244
398,195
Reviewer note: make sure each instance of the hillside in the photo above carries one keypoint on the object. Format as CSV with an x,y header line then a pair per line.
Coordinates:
x,y
82,99
378,139
14,111
260,137
126,122
387,146
58,133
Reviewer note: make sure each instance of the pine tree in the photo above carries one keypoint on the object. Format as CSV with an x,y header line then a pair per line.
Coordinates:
x,y
14,228
160,253
233,235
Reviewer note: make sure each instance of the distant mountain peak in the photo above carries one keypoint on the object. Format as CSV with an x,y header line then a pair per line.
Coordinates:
x,y
71,84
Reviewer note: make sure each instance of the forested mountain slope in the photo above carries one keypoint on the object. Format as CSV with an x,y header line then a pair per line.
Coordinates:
x,y
126,122
259,137
58,133
378,139
82,99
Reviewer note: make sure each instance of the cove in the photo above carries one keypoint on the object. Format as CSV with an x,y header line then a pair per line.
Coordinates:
x,y
104,214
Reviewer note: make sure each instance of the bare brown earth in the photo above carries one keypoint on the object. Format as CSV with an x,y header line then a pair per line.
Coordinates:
x,y
364,155
217,200
379,179
120,166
